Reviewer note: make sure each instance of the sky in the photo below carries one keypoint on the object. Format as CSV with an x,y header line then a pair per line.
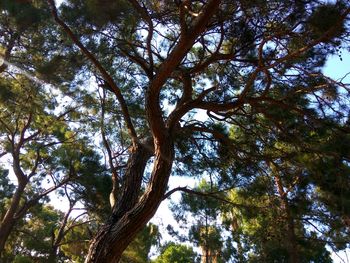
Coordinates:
x,y
58,2
337,68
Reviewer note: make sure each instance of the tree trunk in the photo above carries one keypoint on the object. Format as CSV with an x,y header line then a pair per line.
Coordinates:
x,y
57,239
131,214
9,220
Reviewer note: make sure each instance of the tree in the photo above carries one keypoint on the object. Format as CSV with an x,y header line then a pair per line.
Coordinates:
x,y
36,135
35,235
28,142
287,170
159,63
176,253
262,232
200,217
277,216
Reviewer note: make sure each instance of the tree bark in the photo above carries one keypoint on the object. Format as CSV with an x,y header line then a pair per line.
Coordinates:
x,y
9,220
57,239
131,214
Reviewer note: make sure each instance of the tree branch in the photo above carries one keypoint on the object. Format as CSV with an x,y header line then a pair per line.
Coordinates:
x,y
106,76
207,195
167,67
146,17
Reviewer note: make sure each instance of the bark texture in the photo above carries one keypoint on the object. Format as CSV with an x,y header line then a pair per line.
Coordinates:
x,y
10,219
132,214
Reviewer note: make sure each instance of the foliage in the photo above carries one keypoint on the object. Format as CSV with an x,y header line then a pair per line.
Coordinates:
x,y
175,253
199,216
103,101
138,251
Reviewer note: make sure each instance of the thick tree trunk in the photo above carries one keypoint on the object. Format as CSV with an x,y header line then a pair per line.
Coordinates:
x,y
130,214
9,220
11,217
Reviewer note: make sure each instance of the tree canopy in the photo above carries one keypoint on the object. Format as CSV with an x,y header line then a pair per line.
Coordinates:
x,y
103,101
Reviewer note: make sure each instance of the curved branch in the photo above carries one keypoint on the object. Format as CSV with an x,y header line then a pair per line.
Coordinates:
x,y
35,200
186,104
186,41
115,177
106,76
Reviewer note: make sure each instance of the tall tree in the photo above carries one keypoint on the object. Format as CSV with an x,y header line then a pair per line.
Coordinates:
x,y
161,62
30,134
34,128
229,59
200,216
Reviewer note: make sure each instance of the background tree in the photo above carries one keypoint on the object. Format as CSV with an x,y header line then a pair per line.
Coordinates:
x,y
172,252
29,135
200,218
139,249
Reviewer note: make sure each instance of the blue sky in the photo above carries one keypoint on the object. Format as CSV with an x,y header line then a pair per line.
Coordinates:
x,y
336,68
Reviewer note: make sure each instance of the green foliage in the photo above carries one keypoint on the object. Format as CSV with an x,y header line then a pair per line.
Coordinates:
x,y
199,215
36,138
326,18
41,222
101,13
261,230
104,11
175,253
75,244
139,249
59,69
32,238
22,259
24,13
6,187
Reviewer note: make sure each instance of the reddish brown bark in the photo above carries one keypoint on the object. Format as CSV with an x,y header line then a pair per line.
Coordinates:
x,y
10,218
16,210
131,215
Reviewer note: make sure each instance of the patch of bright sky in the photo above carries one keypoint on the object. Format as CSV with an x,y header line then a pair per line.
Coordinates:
x,y
339,68
59,2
